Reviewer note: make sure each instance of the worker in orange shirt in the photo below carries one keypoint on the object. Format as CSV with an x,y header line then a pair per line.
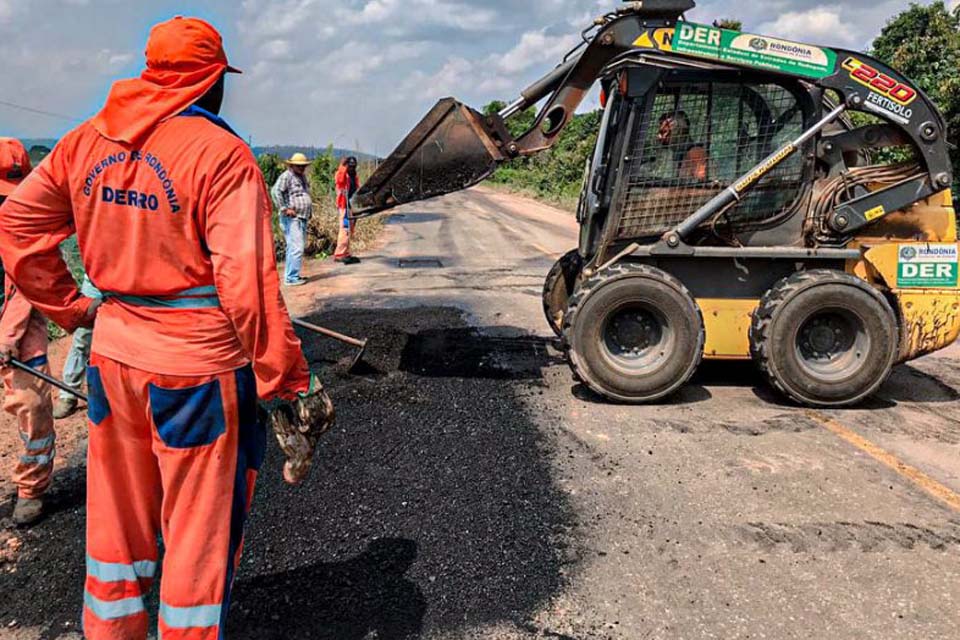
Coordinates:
x,y
174,227
347,184
23,335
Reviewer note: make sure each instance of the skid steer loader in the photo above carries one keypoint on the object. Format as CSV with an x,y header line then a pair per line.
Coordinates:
x,y
748,198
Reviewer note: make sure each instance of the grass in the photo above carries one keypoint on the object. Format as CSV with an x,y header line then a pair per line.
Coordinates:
x,y
322,232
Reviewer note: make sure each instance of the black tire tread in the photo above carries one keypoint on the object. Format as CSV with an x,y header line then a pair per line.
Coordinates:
x,y
557,273
781,292
589,285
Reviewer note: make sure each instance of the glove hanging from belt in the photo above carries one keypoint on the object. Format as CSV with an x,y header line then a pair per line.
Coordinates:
x,y
299,425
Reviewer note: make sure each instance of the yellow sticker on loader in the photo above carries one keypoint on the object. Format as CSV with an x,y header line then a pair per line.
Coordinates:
x,y
659,39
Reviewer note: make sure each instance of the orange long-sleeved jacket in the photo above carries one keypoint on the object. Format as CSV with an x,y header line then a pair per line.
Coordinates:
x,y
183,211
21,326
342,182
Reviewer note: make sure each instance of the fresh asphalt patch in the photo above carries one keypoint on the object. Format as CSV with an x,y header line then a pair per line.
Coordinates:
x,y
472,489
431,508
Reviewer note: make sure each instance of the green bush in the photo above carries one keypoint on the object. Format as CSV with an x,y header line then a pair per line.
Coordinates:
x,y
555,175
271,166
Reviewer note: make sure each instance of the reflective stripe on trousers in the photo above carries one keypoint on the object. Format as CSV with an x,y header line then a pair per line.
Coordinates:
x,y
113,595
30,401
190,448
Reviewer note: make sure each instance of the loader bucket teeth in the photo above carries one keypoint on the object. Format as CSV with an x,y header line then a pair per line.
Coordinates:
x,y
451,149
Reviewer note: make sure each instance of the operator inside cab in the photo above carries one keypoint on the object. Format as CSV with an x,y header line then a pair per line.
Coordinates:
x,y
689,159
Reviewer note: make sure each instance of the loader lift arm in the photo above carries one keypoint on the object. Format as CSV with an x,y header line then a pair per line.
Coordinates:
x,y
456,147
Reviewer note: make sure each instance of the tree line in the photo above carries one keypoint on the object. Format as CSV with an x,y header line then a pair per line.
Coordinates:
x,y
922,42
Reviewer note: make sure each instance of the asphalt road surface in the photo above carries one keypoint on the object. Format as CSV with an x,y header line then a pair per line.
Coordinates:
x,y
473,490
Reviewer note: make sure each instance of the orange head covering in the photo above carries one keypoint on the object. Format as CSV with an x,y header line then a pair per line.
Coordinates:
x,y
14,165
185,59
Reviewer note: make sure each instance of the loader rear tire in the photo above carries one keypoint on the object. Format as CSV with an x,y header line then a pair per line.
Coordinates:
x,y
825,338
633,333
559,286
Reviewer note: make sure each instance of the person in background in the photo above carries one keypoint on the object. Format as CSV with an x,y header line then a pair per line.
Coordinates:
x,y
75,367
347,184
23,335
291,195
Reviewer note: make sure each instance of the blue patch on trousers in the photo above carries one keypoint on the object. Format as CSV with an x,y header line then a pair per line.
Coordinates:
x,y
98,408
188,418
250,453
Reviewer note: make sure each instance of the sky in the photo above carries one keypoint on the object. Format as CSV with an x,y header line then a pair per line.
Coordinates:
x,y
353,73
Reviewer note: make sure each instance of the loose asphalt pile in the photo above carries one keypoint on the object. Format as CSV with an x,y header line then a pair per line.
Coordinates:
x,y
431,509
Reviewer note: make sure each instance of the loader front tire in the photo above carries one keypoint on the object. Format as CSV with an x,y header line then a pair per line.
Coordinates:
x,y
825,338
633,333
559,286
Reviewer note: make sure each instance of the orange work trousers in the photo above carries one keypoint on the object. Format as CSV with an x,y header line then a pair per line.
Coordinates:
x,y
175,456
343,238
29,399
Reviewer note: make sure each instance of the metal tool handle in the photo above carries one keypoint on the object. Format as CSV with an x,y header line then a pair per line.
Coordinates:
x,y
329,333
48,379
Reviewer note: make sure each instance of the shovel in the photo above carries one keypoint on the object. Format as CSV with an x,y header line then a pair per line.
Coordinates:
x,y
16,364
360,344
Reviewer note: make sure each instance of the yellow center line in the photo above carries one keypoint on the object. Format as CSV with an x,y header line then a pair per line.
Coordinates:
x,y
942,493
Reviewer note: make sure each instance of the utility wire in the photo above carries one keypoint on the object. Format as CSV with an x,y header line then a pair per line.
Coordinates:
x,y
41,112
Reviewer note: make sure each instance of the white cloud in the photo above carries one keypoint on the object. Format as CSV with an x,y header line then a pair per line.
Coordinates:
x,y
6,10
275,49
338,70
465,16
817,25
535,47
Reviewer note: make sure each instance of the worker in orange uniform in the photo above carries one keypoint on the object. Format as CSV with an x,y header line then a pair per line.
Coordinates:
x,y
174,227
347,184
23,335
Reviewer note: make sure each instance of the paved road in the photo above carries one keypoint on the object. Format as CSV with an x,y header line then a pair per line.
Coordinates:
x,y
725,513
474,490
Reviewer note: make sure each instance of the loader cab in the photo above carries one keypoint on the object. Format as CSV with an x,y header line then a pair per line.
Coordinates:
x,y
671,140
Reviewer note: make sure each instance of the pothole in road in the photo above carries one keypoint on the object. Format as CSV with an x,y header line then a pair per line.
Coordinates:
x,y
470,353
419,263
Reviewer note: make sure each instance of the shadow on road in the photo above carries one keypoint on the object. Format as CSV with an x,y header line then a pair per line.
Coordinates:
x,y
688,394
499,353
451,469
431,509
909,384
363,597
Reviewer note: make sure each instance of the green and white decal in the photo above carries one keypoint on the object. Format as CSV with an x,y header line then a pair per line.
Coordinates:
x,y
927,266
754,51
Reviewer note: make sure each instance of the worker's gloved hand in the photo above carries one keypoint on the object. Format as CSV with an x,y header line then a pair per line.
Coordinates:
x,y
298,426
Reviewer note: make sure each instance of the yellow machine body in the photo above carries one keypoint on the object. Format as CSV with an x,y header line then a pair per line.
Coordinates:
x,y
929,317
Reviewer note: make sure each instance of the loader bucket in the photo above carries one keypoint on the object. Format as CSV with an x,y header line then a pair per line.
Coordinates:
x,y
451,149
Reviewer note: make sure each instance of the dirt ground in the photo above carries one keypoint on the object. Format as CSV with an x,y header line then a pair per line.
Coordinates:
x,y
70,432
474,489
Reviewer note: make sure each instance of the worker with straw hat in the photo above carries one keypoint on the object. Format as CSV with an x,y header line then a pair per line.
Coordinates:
x,y
291,194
